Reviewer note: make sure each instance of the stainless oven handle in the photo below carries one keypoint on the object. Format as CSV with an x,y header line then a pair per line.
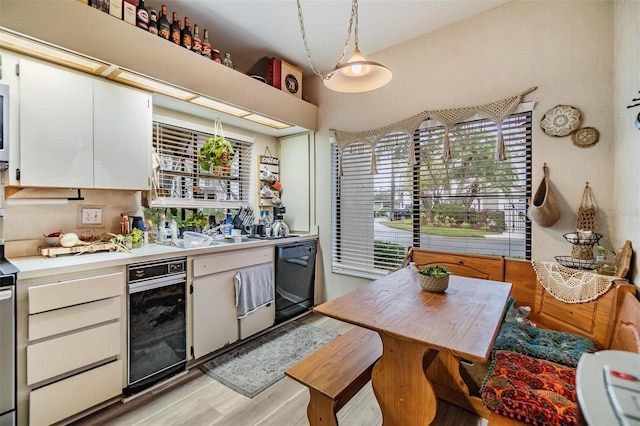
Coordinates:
x,y
6,294
157,283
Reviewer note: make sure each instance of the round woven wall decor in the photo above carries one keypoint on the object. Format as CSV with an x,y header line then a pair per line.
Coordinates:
x,y
561,120
585,137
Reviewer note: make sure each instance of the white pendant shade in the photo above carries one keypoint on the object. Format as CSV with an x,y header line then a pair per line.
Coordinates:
x,y
358,75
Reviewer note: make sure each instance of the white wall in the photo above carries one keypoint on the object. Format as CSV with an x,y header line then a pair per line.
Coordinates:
x,y
626,150
562,47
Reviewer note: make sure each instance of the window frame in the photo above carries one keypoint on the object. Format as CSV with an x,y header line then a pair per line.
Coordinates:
x,y
339,265
246,168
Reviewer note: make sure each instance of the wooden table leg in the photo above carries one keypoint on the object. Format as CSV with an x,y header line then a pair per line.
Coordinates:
x,y
321,410
405,395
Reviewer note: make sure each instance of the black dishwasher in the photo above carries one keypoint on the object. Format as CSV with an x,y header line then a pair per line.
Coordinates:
x,y
295,279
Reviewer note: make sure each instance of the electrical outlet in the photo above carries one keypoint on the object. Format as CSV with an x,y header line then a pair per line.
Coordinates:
x,y
91,216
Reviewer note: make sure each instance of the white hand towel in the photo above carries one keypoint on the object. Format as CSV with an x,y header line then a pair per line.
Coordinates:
x,y
254,289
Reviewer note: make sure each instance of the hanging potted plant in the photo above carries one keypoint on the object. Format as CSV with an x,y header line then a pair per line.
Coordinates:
x,y
215,155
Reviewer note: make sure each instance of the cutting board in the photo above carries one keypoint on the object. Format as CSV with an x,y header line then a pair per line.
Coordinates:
x,y
54,251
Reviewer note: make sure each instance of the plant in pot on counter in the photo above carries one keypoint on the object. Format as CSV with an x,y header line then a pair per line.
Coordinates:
x,y
137,237
197,222
215,155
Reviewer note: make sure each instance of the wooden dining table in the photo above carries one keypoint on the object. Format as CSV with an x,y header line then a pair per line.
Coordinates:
x,y
417,326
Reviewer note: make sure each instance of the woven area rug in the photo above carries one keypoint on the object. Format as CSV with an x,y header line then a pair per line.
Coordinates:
x,y
254,366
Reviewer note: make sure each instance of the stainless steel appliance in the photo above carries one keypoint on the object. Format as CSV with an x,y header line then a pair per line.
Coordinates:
x,y
4,123
295,278
7,341
157,331
279,228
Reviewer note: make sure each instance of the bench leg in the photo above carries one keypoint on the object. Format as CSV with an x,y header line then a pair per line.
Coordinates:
x,y
321,410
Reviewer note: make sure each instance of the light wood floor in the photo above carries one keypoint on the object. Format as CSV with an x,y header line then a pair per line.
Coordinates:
x,y
196,399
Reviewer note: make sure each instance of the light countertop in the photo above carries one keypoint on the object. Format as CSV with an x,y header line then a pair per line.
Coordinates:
x,y
38,266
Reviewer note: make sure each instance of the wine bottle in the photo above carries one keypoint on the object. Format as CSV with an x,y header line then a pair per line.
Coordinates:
x,y
196,43
164,29
206,46
153,22
187,38
142,16
175,29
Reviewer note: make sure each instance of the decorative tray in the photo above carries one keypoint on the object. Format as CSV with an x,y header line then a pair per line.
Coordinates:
x,y
583,238
574,263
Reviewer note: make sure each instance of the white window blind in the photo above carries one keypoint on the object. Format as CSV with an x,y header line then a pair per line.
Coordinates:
x,y
471,203
182,182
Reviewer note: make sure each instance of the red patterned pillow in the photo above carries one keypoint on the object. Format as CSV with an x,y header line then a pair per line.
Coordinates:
x,y
530,389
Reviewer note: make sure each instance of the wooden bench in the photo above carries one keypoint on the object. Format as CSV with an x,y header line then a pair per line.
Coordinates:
x,y
336,372
626,337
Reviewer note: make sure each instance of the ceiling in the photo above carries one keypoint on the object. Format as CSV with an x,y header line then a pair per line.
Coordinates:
x,y
252,29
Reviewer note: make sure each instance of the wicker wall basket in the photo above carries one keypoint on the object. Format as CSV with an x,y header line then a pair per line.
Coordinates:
x,y
433,284
544,208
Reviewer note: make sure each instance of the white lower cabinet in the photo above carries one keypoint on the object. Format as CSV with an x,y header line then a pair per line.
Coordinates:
x,y
74,357
65,398
215,318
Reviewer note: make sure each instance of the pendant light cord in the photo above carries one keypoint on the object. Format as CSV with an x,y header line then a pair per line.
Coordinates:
x,y
352,20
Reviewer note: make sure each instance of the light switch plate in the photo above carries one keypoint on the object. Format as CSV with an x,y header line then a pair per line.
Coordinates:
x,y
90,216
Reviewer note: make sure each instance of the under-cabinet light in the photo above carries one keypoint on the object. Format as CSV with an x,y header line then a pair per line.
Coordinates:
x,y
150,84
34,201
256,118
42,50
219,106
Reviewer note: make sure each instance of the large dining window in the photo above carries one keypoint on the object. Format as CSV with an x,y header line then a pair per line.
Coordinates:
x,y
469,203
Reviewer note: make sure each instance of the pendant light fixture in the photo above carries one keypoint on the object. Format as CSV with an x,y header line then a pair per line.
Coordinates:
x,y
357,74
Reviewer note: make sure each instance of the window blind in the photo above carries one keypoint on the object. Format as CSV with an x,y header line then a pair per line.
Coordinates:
x,y
471,203
181,182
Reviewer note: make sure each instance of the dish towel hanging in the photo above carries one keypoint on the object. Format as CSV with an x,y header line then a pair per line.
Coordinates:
x,y
254,289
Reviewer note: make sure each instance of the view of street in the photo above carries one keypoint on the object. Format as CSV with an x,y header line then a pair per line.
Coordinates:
x,y
494,244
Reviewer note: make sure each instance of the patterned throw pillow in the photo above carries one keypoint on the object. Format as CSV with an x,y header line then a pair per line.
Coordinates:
x,y
556,346
532,390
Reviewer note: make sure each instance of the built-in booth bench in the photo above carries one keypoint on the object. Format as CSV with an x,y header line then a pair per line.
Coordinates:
x,y
337,371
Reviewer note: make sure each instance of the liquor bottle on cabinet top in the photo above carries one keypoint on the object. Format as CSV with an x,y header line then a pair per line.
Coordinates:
x,y
164,29
187,38
175,29
196,43
215,55
206,46
227,60
142,16
153,22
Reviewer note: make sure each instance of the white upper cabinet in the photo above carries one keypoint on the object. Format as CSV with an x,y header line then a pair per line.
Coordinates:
x,y
121,137
56,127
82,132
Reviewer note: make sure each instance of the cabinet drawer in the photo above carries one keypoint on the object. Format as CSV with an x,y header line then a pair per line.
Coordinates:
x,y
231,260
50,323
580,315
65,398
68,293
58,356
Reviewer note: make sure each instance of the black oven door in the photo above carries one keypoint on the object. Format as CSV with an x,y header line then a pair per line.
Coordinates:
x,y
157,331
